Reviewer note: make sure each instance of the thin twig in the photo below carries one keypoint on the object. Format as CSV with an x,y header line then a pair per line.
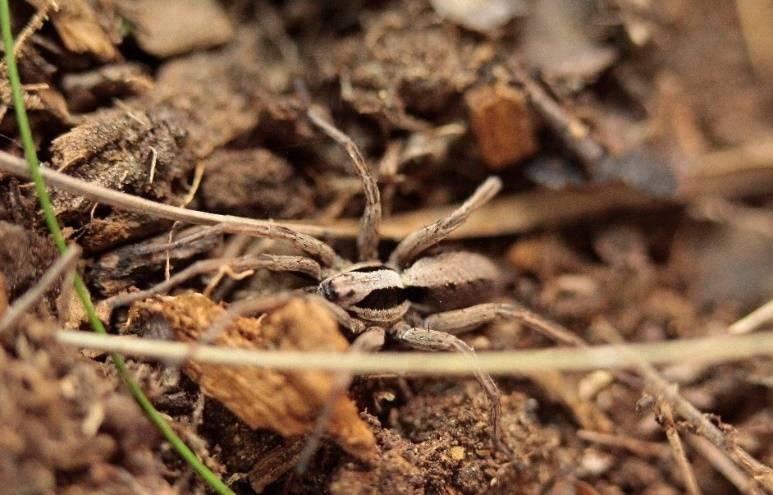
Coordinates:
x,y
710,349
33,25
688,475
300,235
572,131
641,448
753,320
703,426
62,265
724,465
739,171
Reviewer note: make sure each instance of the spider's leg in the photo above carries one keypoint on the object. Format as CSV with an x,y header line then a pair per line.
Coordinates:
x,y
433,340
371,340
240,264
367,240
310,245
417,242
462,320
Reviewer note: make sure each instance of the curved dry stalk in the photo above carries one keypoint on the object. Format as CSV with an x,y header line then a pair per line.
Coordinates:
x,y
63,264
688,475
722,463
367,239
707,349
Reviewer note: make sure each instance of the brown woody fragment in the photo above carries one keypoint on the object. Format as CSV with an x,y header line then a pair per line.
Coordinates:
x,y
287,403
502,123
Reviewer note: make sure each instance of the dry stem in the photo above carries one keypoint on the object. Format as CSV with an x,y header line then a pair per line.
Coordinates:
x,y
703,426
708,349
667,418
63,264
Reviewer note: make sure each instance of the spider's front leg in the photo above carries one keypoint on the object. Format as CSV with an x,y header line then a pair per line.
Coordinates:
x,y
433,340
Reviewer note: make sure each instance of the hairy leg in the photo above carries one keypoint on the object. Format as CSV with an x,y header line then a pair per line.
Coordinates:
x,y
417,242
462,320
367,240
433,340
240,264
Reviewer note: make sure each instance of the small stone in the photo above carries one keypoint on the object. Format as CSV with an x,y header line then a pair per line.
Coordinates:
x,y
456,453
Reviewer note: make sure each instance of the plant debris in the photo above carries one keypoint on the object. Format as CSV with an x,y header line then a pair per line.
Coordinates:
x,y
634,140
285,403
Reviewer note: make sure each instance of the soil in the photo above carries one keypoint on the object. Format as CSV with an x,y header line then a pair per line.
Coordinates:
x,y
646,126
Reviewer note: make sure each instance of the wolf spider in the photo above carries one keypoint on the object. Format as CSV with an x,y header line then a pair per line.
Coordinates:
x,y
416,299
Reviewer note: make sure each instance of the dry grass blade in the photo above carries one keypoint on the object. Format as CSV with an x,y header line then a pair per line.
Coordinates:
x,y
722,463
639,447
747,169
707,349
62,265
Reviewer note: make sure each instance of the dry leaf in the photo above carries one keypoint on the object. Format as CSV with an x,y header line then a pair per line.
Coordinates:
x,y
288,403
78,25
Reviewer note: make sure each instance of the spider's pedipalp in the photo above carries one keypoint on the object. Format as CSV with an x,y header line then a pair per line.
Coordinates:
x,y
417,242
368,238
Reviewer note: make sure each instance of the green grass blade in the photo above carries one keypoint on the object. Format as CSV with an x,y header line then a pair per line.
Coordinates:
x,y
30,154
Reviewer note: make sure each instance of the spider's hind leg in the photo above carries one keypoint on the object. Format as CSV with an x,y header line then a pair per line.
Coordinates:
x,y
465,319
433,340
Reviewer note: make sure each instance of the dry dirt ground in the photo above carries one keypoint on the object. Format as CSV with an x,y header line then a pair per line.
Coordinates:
x,y
635,143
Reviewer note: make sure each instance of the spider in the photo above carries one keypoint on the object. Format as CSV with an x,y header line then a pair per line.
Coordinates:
x,y
413,298
416,298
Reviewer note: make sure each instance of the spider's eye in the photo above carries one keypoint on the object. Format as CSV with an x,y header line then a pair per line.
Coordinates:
x,y
328,290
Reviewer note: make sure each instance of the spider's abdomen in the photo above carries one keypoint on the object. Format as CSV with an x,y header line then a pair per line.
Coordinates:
x,y
373,293
450,280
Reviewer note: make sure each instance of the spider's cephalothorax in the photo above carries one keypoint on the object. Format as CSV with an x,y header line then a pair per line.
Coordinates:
x,y
378,293
373,292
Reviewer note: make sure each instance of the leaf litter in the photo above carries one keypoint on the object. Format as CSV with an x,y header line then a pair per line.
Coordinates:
x,y
119,100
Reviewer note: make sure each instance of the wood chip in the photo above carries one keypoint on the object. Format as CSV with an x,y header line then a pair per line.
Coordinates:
x,y
502,123
287,403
